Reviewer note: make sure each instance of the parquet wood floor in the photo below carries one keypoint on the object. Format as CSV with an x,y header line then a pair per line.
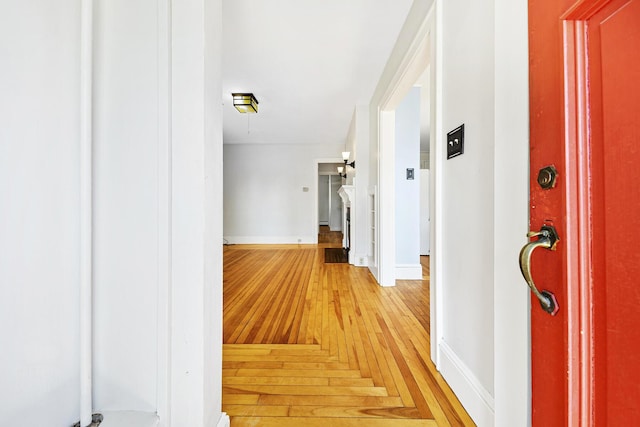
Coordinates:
x,y
314,344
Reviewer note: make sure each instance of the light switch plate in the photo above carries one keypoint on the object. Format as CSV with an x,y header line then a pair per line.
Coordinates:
x,y
455,142
410,173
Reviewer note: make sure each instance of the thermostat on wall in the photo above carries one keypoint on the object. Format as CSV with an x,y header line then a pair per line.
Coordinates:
x,y
455,142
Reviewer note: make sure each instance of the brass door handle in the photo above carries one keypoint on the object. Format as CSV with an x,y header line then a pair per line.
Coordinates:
x,y
547,238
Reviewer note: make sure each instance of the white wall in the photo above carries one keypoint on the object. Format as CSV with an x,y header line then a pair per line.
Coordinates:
x,y
468,222
39,199
358,145
157,210
407,203
264,197
425,212
126,197
485,86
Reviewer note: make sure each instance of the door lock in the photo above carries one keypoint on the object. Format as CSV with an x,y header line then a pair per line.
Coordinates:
x,y
547,177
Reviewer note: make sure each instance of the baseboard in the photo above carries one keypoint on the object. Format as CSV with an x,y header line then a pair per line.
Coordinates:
x,y
224,421
270,240
408,272
360,260
474,397
129,419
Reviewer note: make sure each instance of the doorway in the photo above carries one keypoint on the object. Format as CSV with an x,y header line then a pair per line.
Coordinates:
x,y
329,202
419,67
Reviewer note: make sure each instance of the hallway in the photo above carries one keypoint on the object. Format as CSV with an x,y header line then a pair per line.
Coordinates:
x,y
313,344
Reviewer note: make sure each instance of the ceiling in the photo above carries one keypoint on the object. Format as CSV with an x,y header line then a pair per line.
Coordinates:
x,y
308,62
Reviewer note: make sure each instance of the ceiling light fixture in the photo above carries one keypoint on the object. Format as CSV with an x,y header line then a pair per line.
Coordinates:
x,y
245,102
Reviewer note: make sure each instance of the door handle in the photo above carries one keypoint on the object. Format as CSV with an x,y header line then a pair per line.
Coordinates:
x,y
547,238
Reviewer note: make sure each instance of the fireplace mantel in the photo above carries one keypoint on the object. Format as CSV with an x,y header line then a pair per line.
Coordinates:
x,y
347,194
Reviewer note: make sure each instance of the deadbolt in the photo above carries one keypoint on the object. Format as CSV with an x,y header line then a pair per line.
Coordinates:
x,y
547,177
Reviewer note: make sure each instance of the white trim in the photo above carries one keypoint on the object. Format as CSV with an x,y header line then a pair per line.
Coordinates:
x,y
129,419
372,255
360,260
408,272
163,387
436,159
413,63
474,397
224,420
511,334
271,240
386,202
86,212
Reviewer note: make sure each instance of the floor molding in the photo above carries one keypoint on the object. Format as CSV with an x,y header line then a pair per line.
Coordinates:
x,y
270,240
474,397
224,420
129,419
409,272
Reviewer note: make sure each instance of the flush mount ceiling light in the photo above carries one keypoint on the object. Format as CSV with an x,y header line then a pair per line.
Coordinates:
x,y
245,102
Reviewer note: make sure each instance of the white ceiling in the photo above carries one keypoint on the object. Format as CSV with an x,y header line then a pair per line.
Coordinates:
x,y
308,62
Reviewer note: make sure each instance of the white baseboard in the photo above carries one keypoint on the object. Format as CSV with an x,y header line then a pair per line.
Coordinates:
x,y
224,421
474,397
270,240
408,272
360,260
129,419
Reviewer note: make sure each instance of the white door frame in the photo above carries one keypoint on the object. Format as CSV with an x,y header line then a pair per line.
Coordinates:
x,y
420,54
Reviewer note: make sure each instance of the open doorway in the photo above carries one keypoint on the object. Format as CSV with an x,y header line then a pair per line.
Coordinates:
x,y
327,212
329,202
417,72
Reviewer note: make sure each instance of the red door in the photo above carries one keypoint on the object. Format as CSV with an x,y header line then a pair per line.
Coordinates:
x,y
585,122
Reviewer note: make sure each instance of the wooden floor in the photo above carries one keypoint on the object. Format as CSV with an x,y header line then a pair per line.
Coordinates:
x,y
314,344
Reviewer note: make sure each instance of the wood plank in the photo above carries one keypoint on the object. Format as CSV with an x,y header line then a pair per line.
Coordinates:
x,y
314,373
279,358
326,400
288,347
239,399
306,381
256,411
353,411
305,390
